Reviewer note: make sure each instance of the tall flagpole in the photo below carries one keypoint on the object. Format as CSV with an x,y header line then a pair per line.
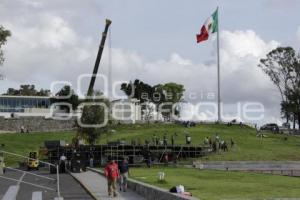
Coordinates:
x,y
218,54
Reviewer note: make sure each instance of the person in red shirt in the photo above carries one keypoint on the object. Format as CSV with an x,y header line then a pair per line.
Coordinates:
x,y
112,174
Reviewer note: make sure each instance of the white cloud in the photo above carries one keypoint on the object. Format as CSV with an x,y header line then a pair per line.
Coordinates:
x,y
46,47
33,3
240,55
298,34
244,43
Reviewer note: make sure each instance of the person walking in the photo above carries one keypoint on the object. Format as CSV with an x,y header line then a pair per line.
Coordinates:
x,y
124,172
111,172
62,163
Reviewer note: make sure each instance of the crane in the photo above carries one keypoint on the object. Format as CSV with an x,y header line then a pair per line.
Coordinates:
x,y
99,55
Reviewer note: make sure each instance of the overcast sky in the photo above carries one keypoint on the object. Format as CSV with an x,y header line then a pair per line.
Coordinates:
x,y
57,40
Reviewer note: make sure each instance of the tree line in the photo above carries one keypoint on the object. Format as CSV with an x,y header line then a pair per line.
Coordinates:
x,y
4,34
164,95
282,65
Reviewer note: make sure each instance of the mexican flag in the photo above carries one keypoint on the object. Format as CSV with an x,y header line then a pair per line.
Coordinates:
x,y
210,26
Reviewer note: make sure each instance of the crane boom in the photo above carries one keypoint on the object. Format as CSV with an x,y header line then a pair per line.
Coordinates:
x,y
99,55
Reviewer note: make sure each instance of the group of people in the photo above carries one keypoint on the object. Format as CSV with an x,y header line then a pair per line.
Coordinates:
x,y
188,124
114,172
163,141
24,130
217,143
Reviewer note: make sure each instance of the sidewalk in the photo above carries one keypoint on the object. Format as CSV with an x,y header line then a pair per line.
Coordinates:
x,y
96,184
286,168
249,165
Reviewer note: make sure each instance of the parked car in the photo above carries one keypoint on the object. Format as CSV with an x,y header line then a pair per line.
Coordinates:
x,y
270,127
285,128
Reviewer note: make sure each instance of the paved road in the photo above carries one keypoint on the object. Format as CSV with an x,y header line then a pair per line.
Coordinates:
x,y
70,188
97,185
290,168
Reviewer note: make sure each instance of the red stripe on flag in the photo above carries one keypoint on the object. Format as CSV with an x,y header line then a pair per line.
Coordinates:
x,y
203,35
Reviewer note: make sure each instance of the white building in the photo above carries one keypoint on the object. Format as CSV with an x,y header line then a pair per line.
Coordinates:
x,y
126,110
24,105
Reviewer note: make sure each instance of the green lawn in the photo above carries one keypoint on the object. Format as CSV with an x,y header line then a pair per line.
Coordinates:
x,y
248,146
203,184
24,143
213,185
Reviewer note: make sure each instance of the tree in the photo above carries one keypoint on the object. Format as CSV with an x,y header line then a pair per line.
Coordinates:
x,y
4,34
93,115
172,94
282,66
127,88
277,65
27,90
292,105
164,95
138,90
148,111
72,99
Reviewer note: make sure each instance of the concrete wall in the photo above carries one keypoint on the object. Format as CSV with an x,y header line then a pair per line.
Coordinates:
x,y
151,192
35,124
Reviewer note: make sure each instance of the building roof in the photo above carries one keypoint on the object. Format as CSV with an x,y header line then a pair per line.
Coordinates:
x,y
28,97
126,100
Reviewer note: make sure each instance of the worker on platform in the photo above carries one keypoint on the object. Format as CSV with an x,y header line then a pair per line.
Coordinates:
x,y
172,140
165,140
188,139
206,141
154,138
112,174
217,138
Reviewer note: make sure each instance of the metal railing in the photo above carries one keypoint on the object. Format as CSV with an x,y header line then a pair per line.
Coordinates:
x,y
46,163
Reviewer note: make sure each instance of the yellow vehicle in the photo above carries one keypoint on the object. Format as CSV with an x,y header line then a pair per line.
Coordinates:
x,y
33,162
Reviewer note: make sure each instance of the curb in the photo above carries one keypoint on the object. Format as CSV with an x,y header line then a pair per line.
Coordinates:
x,y
84,187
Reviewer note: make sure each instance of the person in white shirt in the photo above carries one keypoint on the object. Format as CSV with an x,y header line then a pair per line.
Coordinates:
x,y
62,163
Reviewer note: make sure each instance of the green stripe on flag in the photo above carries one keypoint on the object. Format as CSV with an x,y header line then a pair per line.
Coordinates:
x,y
215,21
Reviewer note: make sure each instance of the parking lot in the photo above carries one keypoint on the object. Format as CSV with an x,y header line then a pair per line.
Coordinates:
x,y
28,186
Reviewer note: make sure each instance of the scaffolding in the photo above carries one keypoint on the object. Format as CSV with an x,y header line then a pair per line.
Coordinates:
x,y
136,154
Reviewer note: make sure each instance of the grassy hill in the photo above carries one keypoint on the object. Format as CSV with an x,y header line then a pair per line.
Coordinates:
x,y
205,184
26,142
248,146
